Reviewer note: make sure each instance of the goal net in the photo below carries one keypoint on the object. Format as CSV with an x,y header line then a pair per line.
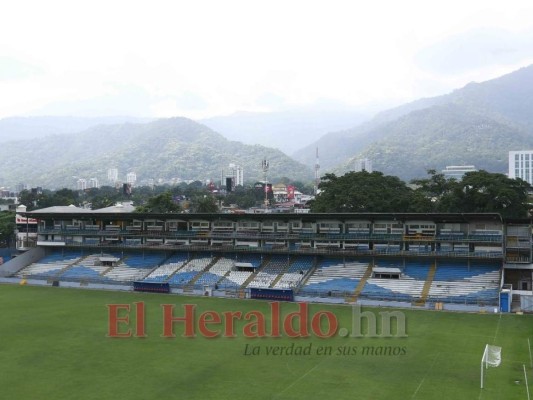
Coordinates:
x,y
492,357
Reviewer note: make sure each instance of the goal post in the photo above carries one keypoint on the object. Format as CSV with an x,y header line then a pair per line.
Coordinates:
x,y
492,357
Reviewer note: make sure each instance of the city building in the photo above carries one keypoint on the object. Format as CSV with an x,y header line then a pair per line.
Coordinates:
x,y
457,171
7,194
93,183
81,184
237,173
363,164
521,165
112,175
286,194
131,178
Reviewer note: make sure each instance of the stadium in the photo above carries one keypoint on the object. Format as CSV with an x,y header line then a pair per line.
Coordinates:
x,y
415,266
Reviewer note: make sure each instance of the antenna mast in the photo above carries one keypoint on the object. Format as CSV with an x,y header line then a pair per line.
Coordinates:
x,y
265,164
317,173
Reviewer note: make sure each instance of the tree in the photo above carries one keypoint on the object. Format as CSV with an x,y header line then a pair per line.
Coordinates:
x,y
7,227
47,198
242,197
479,192
362,192
205,204
483,191
29,199
432,194
162,203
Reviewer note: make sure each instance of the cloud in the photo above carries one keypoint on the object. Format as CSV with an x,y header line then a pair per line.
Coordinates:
x,y
127,100
13,69
476,49
191,101
270,101
119,100
187,103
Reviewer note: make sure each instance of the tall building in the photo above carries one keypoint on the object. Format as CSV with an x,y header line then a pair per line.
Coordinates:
x,y
131,178
112,175
81,184
93,183
21,186
237,173
521,165
363,164
457,171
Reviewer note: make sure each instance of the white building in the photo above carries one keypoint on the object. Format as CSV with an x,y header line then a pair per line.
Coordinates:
x,y
81,184
112,175
521,165
93,183
363,164
237,173
457,171
131,178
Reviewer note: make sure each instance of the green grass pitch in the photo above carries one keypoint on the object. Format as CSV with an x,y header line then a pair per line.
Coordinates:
x,y
53,345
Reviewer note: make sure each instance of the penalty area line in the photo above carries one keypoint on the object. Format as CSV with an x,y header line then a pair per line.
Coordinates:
x,y
298,379
425,376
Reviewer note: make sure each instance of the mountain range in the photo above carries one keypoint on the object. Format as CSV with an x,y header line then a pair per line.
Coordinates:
x,y
476,125
163,149
288,130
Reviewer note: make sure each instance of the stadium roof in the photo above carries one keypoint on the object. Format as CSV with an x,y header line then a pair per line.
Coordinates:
x,y
117,208
72,209
113,212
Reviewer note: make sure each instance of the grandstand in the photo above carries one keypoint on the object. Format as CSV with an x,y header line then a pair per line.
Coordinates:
x,y
218,270
336,276
457,282
460,259
50,265
277,265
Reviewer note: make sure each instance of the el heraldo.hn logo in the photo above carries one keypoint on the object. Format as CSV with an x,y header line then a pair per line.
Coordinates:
x,y
132,320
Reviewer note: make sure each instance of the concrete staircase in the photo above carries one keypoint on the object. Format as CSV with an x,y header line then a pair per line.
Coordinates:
x,y
427,286
58,273
361,284
266,260
176,271
190,285
308,275
276,280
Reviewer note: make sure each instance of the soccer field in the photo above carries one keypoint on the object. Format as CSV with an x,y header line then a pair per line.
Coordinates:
x,y
54,344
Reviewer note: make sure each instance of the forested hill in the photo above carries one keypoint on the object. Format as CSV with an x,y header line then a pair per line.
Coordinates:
x,y
439,136
163,149
477,125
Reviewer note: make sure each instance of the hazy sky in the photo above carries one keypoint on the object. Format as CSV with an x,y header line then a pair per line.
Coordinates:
x,y
200,58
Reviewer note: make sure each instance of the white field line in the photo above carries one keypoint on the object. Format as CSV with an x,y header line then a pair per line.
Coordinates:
x,y
425,376
497,329
300,378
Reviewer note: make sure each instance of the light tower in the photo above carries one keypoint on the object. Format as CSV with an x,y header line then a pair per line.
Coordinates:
x,y
265,165
317,173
